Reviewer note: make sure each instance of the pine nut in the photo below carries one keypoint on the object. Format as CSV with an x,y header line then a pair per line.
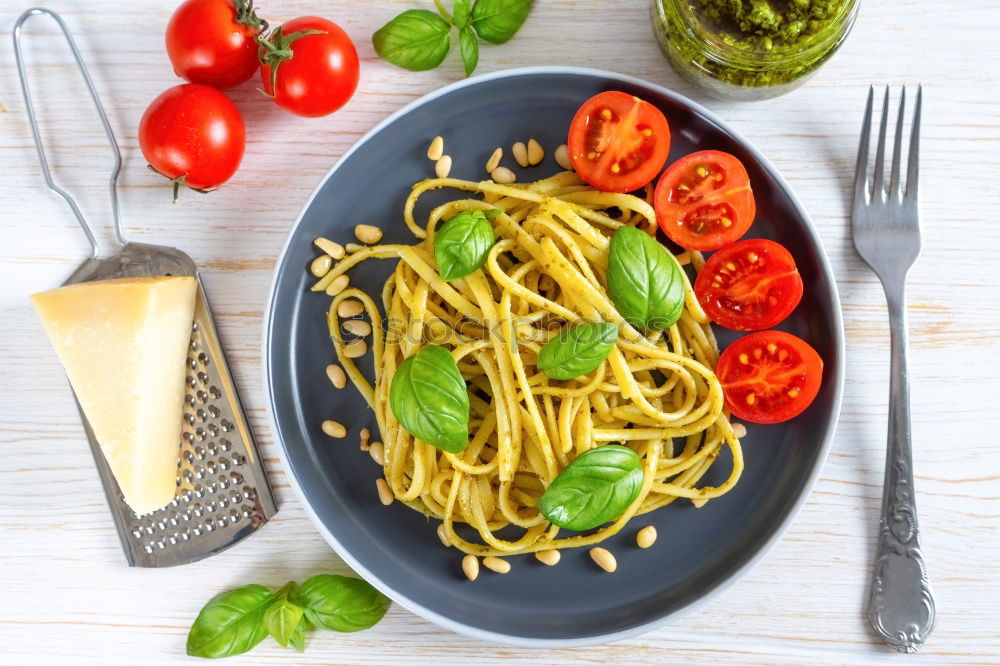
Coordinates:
x,y
496,564
377,452
739,430
335,250
646,537
470,565
365,435
443,167
338,285
384,492
549,557
436,149
334,429
503,175
494,160
698,503
520,153
535,152
358,327
320,266
367,233
562,157
604,559
443,535
337,376
355,348
349,308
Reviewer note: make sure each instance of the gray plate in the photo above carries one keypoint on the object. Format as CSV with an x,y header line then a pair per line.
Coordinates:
x,y
699,551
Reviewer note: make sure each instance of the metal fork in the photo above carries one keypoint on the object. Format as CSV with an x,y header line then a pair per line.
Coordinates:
x,y
886,228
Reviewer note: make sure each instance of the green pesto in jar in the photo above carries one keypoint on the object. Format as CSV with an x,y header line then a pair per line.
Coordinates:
x,y
750,43
768,26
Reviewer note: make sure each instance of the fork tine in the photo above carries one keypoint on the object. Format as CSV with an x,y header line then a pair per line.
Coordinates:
x,y
912,175
861,170
877,185
897,146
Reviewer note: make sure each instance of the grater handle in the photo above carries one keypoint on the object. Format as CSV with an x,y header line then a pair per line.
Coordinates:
x,y
26,92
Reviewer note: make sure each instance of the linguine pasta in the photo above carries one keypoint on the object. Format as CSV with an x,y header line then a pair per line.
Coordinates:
x,y
655,393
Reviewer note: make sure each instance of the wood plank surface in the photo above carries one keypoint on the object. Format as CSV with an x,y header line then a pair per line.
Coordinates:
x,y
68,596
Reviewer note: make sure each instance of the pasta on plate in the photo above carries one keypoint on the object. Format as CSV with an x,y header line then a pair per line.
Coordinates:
x,y
656,393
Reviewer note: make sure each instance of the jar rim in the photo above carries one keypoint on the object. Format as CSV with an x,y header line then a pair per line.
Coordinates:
x,y
714,48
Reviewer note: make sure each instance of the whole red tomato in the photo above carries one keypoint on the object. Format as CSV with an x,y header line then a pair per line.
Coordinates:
x,y
213,41
309,66
193,135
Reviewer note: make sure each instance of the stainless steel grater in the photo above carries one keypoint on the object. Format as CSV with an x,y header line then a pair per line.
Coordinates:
x,y
222,489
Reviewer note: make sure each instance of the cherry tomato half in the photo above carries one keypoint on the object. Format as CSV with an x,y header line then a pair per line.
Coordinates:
x,y
750,285
193,135
618,142
321,73
703,200
769,377
213,41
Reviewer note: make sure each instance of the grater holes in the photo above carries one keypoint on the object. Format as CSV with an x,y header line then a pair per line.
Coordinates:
x,y
189,399
213,411
225,444
199,452
189,418
189,438
235,496
202,396
234,516
203,359
246,510
202,415
248,492
212,448
236,477
202,378
223,481
224,463
194,345
226,425
191,381
199,433
213,429
238,459
193,364
214,392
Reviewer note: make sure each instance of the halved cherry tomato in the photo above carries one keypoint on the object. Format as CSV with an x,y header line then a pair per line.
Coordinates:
x,y
618,142
750,285
769,377
703,200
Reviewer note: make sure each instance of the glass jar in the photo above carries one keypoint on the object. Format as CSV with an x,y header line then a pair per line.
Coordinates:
x,y
755,58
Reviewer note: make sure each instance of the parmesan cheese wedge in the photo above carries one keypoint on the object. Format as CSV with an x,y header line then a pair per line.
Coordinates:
x,y
124,346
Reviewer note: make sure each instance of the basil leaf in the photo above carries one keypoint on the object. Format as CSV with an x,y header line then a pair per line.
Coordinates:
x,y
430,399
496,21
577,351
463,243
416,40
460,13
230,623
644,281
341,603
469,46
593,489
282,618
298,638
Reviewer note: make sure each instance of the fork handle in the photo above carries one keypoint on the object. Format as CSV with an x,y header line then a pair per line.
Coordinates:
x,y
902,606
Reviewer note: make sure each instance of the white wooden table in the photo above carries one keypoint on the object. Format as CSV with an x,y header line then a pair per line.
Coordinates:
x,y
66,595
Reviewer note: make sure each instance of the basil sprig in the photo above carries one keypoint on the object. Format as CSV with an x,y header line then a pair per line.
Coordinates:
x,y
593,489
463,243
644,281
429,398
577,350
419,39
235,621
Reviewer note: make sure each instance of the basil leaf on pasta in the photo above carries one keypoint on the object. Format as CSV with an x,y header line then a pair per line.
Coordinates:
x,y
462,244
644,280
577,350
496,21
341,603
429,398
416,40
593,489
